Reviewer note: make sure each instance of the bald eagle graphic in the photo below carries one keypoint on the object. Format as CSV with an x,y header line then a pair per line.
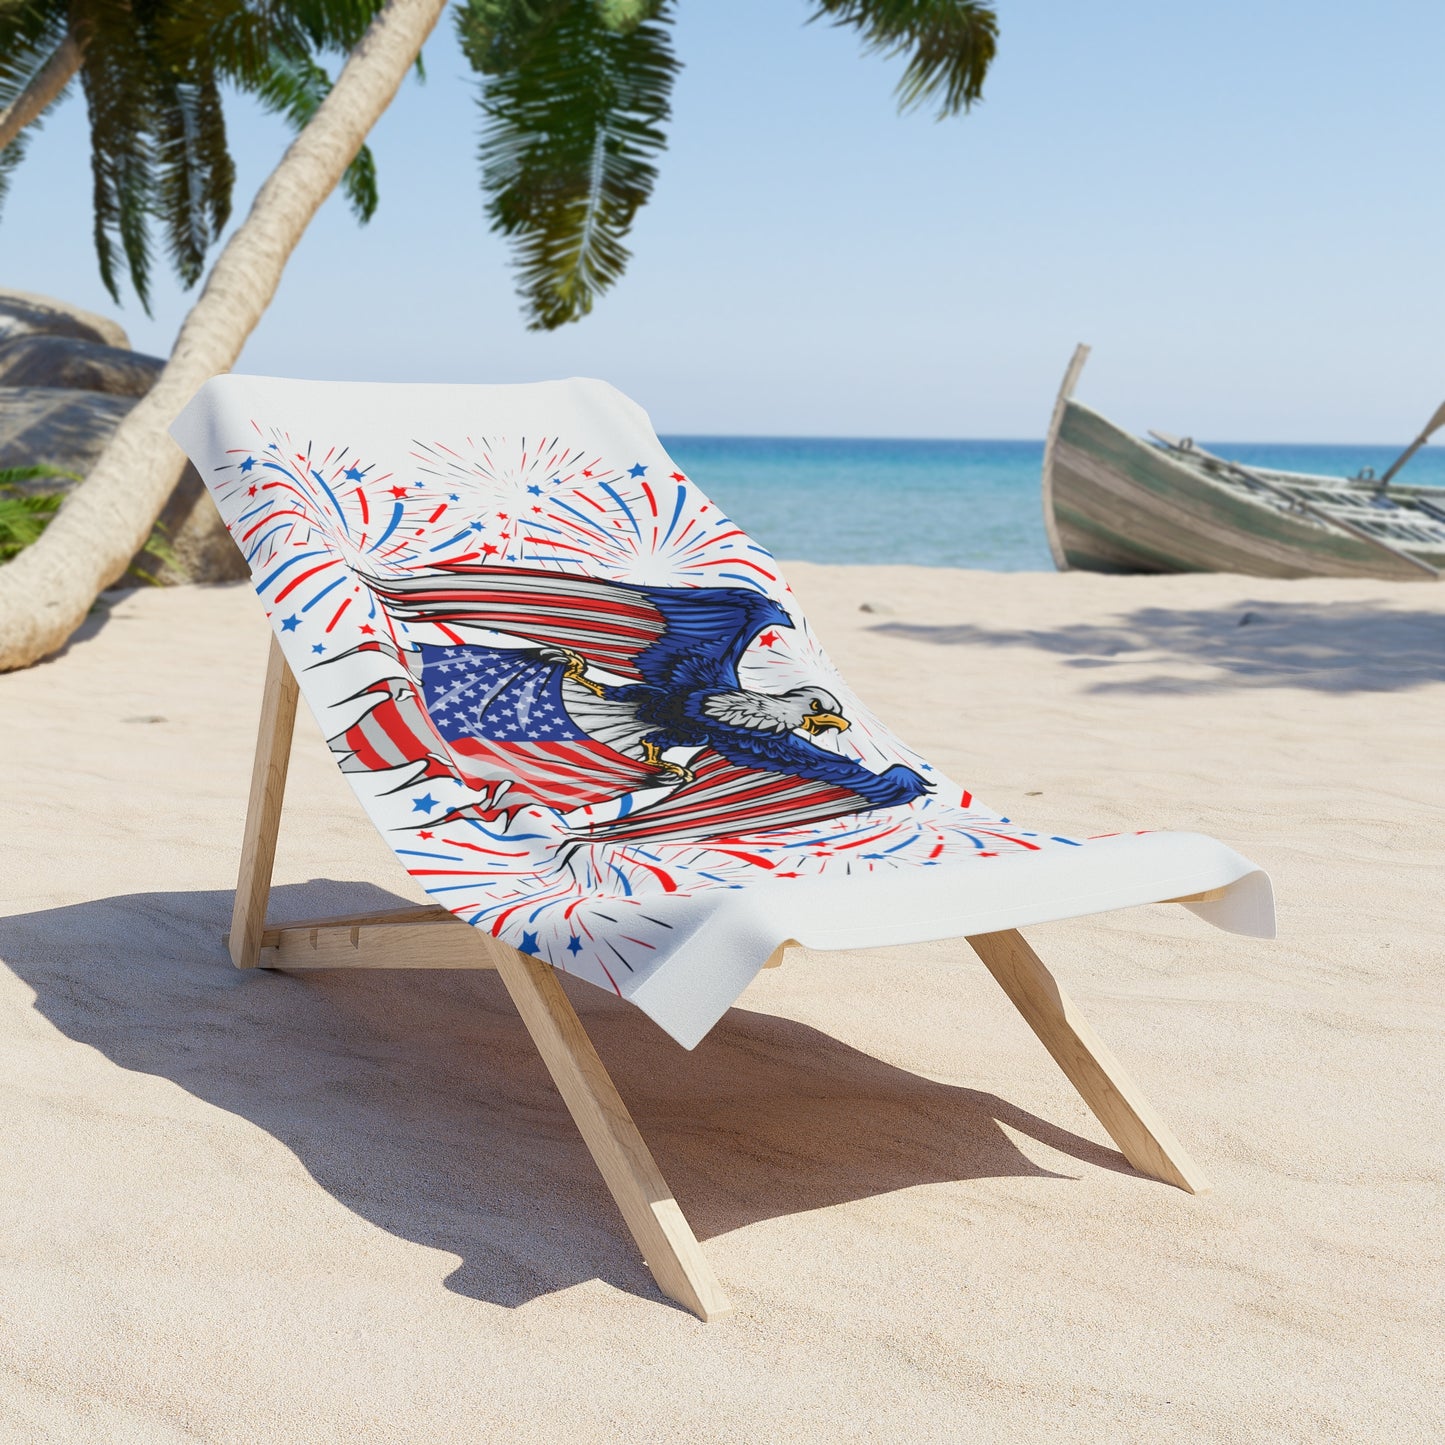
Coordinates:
x,y
579,688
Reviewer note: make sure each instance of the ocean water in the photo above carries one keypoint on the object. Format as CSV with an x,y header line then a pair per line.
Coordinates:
x,y
934,503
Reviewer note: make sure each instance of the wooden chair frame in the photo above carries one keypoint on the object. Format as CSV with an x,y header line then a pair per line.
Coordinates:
x,y
428,936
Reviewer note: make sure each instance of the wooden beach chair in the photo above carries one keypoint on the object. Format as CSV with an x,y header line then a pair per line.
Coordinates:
x,y
590,718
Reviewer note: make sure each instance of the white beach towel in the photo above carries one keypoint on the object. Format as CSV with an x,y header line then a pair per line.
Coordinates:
x,y
587,713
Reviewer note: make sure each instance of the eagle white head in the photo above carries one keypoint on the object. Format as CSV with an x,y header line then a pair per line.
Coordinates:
x,y
813,709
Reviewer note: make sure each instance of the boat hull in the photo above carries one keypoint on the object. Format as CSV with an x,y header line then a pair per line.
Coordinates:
x,y
1116,504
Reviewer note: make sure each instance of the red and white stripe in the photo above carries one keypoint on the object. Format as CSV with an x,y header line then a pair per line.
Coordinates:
x,y
560,775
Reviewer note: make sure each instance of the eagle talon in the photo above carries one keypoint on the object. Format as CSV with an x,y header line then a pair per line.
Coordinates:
x,y
652,756
576,672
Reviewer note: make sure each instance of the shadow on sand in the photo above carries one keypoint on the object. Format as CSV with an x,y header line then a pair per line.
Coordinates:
x,y
1322,647
416,1099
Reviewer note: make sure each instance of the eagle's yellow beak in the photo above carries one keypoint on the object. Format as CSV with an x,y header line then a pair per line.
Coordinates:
x,y
816,722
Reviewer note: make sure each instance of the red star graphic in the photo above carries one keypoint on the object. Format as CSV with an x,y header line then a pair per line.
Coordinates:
x,y
251,492
538,510
398,491
369,630
424,834
586,474
502,517
490,550
677,476
768,638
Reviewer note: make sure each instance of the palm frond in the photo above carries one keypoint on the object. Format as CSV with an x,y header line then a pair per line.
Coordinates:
x,y
950,45
574,99
194,170
293,85
269,50
23,515
116,75
29,36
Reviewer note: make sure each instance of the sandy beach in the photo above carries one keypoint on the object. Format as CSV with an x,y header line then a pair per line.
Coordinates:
x,y
342,1207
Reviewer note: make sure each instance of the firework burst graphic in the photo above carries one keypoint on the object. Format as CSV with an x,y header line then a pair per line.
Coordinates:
x,y
316,520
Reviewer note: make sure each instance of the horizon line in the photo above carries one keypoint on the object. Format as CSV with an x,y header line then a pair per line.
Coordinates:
x,y
664,433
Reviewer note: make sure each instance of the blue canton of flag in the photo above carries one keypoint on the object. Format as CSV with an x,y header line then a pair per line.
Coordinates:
x,y
502,715
497,693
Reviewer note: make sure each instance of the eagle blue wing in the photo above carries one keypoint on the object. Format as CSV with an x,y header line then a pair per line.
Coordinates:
x,y
789,754
707,631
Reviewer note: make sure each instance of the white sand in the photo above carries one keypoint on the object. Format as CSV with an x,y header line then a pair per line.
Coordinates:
x,y
349,1208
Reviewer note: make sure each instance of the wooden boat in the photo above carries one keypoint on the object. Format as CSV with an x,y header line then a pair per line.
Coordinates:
x,y
1116,503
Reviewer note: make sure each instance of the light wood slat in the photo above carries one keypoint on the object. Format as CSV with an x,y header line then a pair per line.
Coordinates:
x,y
263,810
408,913
662,1233
411,913
1142,1136
441,944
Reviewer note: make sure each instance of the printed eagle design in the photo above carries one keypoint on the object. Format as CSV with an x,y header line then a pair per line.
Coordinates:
x,y
537,716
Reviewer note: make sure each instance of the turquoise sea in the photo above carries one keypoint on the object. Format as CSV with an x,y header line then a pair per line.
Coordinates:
x,y
934,503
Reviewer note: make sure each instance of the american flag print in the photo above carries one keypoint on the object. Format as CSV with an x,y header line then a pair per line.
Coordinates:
x,y
503,717
487,618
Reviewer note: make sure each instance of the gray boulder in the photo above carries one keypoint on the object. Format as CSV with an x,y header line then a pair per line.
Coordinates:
x,y
67,361
56,426
22,313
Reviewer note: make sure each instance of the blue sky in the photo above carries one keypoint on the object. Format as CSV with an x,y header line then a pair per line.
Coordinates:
x,y
1239,205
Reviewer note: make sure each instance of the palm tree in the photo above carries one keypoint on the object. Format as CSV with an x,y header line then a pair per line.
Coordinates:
x,y
152,76
575,93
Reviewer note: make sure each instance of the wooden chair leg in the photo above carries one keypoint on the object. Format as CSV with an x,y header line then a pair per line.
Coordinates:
x,y
263,811
662,1233
1142,1136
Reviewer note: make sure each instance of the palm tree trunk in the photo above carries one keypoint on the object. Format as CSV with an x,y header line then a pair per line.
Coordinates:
x,y
45,85
46,591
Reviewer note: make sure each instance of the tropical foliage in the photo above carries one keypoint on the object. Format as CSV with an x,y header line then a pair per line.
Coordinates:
x,y
152,72
25,514
575,95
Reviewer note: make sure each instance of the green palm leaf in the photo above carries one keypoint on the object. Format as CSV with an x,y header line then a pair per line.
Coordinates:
x,y
293,86
949,43
194,170
575,95
29,35
116,75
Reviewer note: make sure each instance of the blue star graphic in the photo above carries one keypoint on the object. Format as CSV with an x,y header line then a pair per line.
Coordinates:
x,y
452,497
535,490
418,484
423,804
290,624
317,647
637,471
529,943
479,526
575,947
248,464
352,474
